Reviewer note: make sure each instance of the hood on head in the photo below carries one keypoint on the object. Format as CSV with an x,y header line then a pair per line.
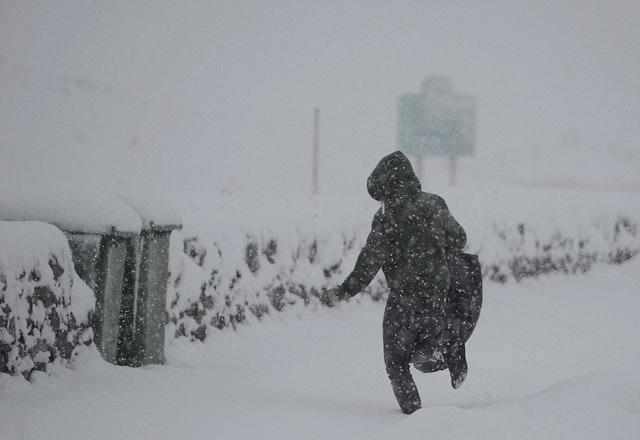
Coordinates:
x,y
393,179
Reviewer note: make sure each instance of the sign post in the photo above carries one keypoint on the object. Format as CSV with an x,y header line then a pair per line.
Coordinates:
x,y
316,149
437,122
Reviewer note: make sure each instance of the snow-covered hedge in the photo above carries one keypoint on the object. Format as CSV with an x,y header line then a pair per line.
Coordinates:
x,y
524,251
44,305
220,283
225,279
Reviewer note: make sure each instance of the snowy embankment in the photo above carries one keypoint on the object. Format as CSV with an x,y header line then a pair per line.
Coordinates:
x,y
44,305
243,258
552,358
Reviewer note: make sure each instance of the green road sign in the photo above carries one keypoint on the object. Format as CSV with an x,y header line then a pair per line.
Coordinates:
x,y
437,122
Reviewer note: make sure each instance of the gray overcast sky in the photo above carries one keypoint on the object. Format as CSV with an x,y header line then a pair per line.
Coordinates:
x,y
206,77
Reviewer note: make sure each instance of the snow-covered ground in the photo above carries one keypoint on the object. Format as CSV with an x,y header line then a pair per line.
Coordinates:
x,y
553,358
208,108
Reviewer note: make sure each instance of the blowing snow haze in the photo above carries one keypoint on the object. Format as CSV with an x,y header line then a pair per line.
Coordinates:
x,y
218,96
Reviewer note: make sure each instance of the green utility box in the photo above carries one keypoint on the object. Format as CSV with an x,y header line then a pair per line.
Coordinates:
x,y
108,290
143,308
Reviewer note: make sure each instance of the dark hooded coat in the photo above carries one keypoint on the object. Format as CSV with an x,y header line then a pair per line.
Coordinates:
x,y
410,236
413,235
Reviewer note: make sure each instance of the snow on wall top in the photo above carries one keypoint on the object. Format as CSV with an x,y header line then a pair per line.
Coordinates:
x,y
31,244
22,243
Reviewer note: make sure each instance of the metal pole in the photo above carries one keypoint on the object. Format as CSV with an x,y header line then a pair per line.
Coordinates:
x,y
316,148
452,170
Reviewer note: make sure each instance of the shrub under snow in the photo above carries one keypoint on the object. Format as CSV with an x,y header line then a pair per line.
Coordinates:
x,y
525,251
44,305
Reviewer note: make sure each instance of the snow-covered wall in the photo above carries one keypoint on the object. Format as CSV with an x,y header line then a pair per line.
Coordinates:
x,y
44,305
221,279
529,250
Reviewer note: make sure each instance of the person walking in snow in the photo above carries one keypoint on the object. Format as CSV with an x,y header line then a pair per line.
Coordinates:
x,y
411,235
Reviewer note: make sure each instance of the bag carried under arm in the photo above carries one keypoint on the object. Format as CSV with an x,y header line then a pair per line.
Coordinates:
x,y
464,301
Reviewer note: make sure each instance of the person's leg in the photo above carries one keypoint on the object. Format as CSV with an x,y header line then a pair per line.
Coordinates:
x,y
400,330
428,350
456,359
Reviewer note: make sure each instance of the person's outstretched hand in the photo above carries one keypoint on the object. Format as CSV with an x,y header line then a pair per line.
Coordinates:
x,y
330,297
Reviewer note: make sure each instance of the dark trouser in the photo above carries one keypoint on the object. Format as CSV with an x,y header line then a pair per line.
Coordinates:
x,y
409,318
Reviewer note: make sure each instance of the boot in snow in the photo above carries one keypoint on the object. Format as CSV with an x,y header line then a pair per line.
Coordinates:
x,y
458,367
407,395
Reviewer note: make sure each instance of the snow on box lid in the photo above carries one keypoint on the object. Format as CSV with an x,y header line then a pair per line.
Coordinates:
x,y
153,213
71,210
